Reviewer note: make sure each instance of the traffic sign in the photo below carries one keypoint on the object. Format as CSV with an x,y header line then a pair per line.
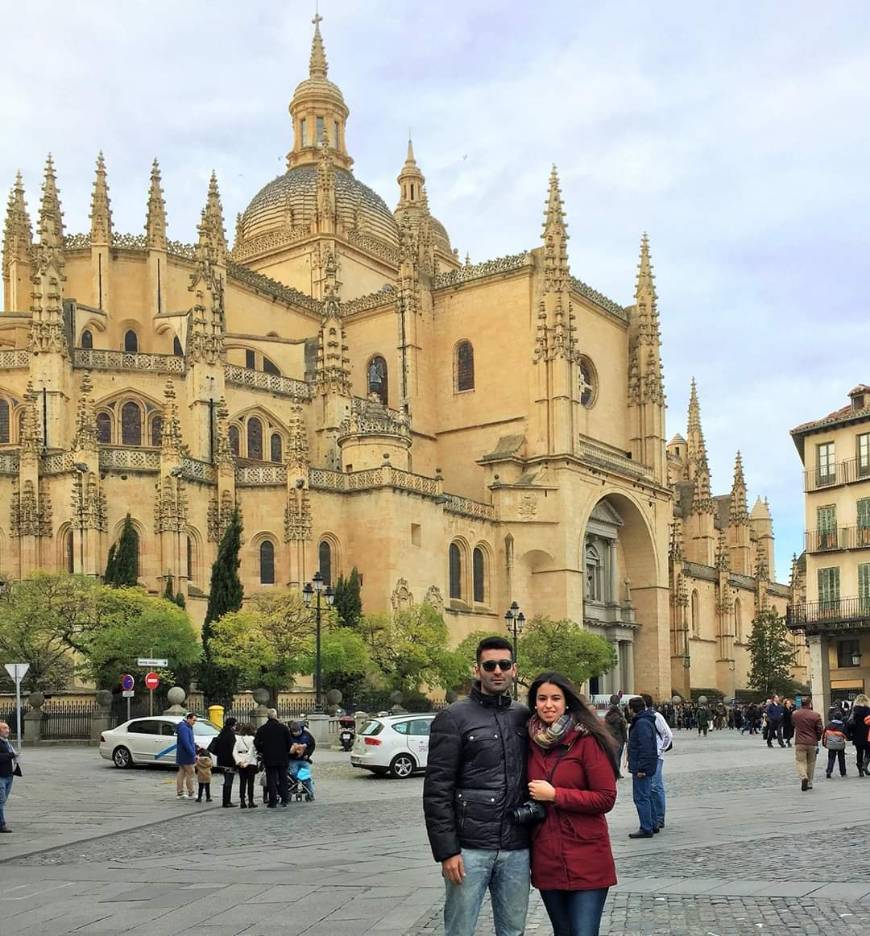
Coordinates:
x,y
152,661
128,693
17,671
127,682
152,681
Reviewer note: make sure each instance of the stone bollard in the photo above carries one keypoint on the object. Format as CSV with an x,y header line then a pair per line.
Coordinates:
x,y
262,697
176,697
318,725
33,719
101,720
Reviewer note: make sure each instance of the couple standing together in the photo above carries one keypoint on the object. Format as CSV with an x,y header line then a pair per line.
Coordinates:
x,y
512,795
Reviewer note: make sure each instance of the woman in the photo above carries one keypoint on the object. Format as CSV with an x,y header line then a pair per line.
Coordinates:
x,y
572,770
245,757
858,732
222,747
787,723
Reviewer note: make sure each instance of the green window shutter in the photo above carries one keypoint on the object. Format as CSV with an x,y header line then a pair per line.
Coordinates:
x,y
826,518
864,586
829,584
864,512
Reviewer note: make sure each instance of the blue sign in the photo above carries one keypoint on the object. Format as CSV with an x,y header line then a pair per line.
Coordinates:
x,y
127,682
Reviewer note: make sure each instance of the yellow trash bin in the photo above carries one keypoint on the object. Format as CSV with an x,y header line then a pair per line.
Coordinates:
x,y
216,715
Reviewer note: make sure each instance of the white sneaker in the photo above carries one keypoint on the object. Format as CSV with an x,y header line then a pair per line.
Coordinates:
x,y
180,795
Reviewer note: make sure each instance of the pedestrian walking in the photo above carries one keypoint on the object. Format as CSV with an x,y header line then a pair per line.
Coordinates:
x,y
9,770
858,730
834,741
787,723
642,764
664,743
702,716
245,756
203,768
475,779
572,775
185,756
272,741
774,722
616,724
807,734
223,747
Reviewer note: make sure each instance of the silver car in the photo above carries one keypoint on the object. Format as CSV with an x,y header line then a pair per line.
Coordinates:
x,y
150,740
397,745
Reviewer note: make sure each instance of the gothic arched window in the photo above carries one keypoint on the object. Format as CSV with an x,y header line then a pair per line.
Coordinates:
x,y
276,448
478,574
464,366
455,571
270,368
177,350
131,342
255,439
377,378
593,574
234,440
738,622
267,563
104,428
157,431
696,614
588,383
131,424
4,420
324,557
190,559
68,552
87,339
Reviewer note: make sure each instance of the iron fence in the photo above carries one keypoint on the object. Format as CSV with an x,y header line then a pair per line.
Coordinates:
x,y
67,721
7,714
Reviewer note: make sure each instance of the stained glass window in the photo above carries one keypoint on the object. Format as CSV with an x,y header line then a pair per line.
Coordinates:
x,y
104,428
157,431
177,350
455,571
464,366
234,440
270,368
377,378
4,420
131,342
255,439
87,339
267,563
276,448
131,424
324,555
478,571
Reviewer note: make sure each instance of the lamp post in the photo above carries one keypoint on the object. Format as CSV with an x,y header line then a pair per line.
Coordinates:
x,y
81,470
313,590
515,619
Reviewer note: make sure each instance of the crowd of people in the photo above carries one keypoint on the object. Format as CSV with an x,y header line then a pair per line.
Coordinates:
x,y
280,754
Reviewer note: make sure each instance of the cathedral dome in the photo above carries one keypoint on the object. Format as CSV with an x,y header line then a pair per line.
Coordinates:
x,y
290,202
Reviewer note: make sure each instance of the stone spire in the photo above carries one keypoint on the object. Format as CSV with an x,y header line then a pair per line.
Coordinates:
x,y
326,212
723,554
155,219
699,468
317,64
739,511
31,428
85,439
298,458
212,236
223,452
332,371
101,212
411,182
17,231
171,442
646,382
555,236
46,328
206,334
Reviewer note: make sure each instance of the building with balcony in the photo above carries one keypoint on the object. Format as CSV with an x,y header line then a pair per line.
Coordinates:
x,y
833,607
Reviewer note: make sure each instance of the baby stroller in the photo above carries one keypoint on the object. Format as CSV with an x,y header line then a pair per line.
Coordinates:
x,y
299,782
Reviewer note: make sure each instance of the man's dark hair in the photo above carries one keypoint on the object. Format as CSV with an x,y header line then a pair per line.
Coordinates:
x,y
494,643
647,698
190,715
636,704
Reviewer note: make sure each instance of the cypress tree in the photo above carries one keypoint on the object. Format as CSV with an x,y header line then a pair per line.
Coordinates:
x,y
123,565
348,603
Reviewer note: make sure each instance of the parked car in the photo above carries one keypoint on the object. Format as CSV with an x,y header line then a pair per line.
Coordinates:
x,y
393,744
149,740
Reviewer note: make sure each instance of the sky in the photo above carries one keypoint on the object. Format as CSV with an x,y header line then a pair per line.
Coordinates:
x,y
736,134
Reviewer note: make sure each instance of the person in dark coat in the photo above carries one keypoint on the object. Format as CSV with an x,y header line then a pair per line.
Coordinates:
x,y
475,779
642,764
858,731
572,770
618,728
185,756
222,747
9,769
272,742
787,723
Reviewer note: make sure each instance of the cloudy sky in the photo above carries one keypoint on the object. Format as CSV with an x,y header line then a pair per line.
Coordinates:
x,y
736,134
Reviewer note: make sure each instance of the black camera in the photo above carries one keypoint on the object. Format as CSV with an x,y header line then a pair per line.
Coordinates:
x,y
529,813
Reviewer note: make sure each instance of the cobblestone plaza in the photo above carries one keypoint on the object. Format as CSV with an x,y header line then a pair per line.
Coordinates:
x,y
98,851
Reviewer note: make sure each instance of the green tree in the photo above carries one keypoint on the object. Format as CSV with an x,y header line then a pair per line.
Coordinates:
x,y
565,647
219,682
348,602
771,654
345,662
29,638
122,568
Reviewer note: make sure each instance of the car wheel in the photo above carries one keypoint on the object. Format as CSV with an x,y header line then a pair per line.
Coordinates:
x,y
121,757
402,766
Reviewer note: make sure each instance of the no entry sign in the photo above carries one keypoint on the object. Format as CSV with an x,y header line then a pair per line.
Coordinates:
x,y
152,681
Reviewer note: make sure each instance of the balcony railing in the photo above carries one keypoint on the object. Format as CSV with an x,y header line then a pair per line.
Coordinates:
x,y
854,537
843,472
816,617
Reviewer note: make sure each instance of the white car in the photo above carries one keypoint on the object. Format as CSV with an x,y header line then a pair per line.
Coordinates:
x,y
149,740
393,744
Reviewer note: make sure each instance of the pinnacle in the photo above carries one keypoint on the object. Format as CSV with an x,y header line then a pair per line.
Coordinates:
x,y
50,217
155,219
317,66
101,213
554,215
410,157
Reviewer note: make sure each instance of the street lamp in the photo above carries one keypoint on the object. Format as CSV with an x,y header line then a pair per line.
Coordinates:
x,y
317,588
515,619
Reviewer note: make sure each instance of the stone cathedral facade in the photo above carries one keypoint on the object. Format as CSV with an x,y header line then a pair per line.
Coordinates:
x,y
466,435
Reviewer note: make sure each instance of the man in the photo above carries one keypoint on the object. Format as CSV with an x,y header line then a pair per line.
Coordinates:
x,y
272,742
223,747
642,764
301,749
808,730
476,776
774,722
664,742
615,722
185,756
9,769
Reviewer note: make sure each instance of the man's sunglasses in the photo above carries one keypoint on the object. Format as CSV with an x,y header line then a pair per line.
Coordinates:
x,y
490,665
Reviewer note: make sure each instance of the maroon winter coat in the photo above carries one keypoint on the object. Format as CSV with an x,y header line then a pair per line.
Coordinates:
x,y
571,847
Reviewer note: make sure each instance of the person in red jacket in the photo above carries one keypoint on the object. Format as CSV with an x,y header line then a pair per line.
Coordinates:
x,y
572,772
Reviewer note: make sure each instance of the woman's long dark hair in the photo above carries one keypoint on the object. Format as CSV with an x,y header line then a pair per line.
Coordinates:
x,y
579,708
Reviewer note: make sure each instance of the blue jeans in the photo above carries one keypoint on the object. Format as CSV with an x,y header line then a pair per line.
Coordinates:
x,y
575,913
657,789
506,874
5,790
641,792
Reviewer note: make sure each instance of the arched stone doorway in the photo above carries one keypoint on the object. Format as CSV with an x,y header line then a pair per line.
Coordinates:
x,y
621,594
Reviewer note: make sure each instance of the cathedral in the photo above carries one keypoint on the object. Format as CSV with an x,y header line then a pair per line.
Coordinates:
x,y
465,435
